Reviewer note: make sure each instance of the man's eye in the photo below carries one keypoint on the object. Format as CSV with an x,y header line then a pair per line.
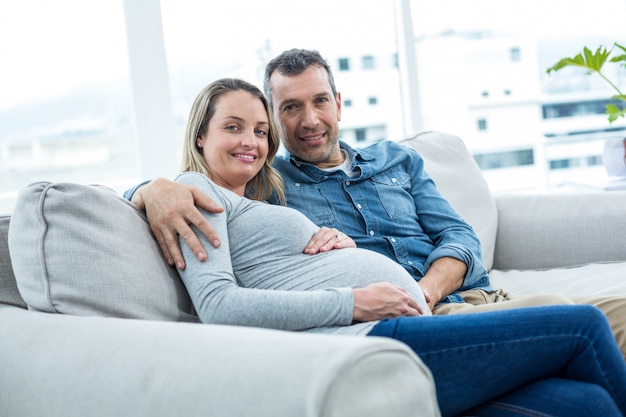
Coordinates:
x,y
289,107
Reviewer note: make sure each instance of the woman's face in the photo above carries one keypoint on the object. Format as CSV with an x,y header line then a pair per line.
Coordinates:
x,y
235,145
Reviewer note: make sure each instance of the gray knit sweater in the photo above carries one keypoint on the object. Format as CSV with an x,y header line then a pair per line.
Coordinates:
x,y
260,277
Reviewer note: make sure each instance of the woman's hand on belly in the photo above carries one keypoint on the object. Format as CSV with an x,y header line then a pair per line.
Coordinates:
x,y
383,300
326,239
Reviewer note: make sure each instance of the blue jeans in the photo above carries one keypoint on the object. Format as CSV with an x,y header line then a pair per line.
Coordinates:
x,y
555,360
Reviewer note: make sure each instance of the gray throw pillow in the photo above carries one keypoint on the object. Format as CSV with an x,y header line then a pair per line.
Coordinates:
x,y
9,293
84,250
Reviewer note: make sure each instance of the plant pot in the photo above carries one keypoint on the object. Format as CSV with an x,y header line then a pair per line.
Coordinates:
x,y
614,157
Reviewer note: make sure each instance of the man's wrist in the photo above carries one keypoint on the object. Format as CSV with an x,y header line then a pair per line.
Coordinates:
x,y
130,193
137,199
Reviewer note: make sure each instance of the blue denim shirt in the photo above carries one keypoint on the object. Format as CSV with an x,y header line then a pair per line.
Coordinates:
x,y
391,206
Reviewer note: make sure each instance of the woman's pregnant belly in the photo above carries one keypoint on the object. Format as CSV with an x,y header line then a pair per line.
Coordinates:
x,y
339,268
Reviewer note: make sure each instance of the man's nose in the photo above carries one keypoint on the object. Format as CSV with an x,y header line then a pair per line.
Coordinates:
x,y
310,117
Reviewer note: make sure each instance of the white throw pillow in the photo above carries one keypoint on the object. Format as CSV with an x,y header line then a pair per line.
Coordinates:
x,y
84,250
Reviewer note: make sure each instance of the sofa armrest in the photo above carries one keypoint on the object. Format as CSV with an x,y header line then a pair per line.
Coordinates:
x,y
559,230
60,365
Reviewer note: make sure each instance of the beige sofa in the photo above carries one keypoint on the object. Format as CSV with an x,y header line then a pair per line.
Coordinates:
x,y
97,325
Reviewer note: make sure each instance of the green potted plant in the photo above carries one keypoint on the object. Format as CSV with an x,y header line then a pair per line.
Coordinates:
x,y
594,62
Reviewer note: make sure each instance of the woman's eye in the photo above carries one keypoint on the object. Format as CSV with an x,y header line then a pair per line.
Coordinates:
x,y
261,132
232,128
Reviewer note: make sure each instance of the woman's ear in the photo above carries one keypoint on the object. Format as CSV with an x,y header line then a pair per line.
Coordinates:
x,y
199,143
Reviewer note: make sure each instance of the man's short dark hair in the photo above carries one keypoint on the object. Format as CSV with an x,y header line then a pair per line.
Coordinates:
x,y
294,62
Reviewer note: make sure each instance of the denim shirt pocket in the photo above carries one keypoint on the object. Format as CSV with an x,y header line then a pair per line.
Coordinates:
x,y
393,188
311,201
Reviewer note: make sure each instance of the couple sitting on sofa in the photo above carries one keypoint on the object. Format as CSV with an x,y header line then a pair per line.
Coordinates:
x,y
268,271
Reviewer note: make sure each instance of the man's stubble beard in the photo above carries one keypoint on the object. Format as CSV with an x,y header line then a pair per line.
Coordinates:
x,y
314,156
329,148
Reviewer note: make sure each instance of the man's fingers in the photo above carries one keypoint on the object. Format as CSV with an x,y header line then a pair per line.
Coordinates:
x,y
168,241
202,200
164,248
172,247
191,240
198,220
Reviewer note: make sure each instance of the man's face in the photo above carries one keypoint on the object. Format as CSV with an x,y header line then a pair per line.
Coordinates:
x,y
308,116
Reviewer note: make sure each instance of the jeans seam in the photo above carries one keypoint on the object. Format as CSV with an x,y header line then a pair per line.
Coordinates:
x,y
517,409
609,387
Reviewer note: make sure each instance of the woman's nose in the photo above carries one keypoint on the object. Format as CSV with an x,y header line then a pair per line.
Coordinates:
x,y
248,140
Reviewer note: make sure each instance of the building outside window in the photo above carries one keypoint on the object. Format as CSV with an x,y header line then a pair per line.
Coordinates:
x,y
585,161
579,108
497,160
368,62
344,64
360,134
516,54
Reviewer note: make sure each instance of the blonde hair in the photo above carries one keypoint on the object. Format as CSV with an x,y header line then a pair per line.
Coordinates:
x,y
267,181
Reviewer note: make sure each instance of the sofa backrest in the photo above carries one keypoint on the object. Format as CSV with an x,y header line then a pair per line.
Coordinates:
x,y
9,293
457,176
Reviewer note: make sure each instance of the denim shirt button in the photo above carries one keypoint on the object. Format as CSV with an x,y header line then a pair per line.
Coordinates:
x,y
358,206
347,182
371,233
410,263
297,184
393,239
394,180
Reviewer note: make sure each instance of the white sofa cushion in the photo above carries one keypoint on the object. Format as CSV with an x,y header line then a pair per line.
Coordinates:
x,y
596,279
84,250
458,178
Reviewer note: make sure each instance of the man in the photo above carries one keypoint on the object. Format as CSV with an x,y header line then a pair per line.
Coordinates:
x,y
380,196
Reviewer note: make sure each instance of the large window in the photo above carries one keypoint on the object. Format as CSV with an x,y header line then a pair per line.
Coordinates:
x,y
68,106
65,99
66,96
204,42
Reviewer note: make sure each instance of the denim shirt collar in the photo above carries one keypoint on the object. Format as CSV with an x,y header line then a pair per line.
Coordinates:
x,y
317,174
